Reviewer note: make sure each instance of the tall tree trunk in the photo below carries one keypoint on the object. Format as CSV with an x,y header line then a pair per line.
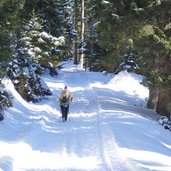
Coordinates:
x,y
75,46
153,97
164,103
82,35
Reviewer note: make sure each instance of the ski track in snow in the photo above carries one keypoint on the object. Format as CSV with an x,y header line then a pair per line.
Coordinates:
x,y
114,160
105,140
86,102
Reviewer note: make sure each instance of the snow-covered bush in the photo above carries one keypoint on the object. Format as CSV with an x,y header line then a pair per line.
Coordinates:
x,y
130,58
165,122
5,99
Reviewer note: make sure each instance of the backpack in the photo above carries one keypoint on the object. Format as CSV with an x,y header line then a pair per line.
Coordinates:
x,y
64,98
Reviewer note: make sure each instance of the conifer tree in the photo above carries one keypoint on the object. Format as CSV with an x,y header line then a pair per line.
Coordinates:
x,y
44,48
9,24
25,75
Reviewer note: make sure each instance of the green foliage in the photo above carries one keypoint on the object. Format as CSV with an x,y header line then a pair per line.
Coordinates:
x,y
5,50
9,11
5,98
169,77
23,72
42,46
9,24
154,79
168,107
147,24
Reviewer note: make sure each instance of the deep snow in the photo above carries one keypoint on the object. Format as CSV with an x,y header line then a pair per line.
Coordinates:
x,y
109,127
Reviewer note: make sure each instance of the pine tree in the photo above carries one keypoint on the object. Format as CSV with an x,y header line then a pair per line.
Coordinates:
x,y
42,46
24,73
130,58
9,24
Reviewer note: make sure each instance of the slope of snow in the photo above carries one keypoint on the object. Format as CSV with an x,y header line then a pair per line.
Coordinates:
x,y
109,127
129,83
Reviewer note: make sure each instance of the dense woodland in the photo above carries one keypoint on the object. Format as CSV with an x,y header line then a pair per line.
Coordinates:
x,y
99,35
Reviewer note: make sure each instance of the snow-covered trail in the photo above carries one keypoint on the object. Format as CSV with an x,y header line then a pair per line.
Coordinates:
x,y
102,133
86,105
45,143
103,144
54,145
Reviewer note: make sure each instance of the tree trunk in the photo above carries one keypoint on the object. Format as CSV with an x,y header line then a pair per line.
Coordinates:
x,y
153,97
163,104
82,35
75,47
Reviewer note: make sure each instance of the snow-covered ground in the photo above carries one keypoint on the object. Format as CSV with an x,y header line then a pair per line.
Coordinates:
x,y
109,128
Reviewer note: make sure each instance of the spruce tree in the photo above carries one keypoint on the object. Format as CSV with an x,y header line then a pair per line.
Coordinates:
x,y
25,75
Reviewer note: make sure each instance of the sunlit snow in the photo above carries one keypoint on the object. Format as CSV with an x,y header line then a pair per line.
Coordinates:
x,y
109,127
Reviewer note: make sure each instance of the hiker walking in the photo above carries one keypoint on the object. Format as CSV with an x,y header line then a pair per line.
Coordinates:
x,y
65,99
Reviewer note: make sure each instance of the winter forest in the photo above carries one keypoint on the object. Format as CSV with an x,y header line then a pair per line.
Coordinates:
x,y
100,35
115,57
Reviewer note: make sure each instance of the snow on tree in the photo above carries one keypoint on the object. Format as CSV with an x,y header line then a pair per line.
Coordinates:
x,y
44,48
5,99
129,58
25,75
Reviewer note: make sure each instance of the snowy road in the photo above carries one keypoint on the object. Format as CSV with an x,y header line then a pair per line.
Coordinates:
x,y
102,141
103,132
82,143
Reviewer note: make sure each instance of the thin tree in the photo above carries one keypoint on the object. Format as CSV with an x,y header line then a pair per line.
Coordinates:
x,y
76,28
82,35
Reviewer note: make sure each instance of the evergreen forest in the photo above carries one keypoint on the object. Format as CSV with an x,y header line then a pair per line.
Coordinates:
x,y
99,35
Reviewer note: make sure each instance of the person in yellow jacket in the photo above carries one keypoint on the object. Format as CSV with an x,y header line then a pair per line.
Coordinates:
x,y
65,99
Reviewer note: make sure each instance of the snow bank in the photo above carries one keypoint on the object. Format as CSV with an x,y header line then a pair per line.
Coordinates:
x,y
130,83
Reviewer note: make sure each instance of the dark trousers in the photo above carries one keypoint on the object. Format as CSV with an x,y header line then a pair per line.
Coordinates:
x,y
64,111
